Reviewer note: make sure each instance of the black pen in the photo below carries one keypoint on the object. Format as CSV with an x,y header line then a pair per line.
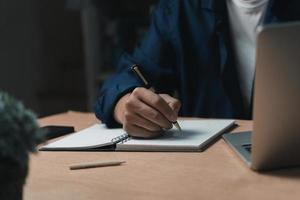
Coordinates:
x,y
136,70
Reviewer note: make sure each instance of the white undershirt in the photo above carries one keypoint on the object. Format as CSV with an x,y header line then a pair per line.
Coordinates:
x,y
244,17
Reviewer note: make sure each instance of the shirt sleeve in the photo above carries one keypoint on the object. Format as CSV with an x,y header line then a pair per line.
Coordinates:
x,y
155,57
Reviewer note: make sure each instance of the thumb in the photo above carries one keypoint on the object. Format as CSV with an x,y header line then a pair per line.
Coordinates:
x,y
174,104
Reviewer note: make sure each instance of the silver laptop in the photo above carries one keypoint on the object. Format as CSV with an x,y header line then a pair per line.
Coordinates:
x,y
275,140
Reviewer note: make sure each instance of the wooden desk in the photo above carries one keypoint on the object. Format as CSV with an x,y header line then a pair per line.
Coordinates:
x,y
216,173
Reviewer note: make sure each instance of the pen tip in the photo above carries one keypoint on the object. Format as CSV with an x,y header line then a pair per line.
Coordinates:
x,y
177,126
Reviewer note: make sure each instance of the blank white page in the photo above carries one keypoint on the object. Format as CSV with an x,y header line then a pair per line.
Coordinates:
x,y
95,136
195,135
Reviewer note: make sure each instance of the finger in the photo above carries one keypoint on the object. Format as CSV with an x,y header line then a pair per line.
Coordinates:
x,y
155,101
174,103
137,131
148,113
155,116
149,125
140,121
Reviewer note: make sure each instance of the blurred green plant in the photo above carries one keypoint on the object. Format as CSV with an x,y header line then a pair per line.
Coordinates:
x,y
19,136
19,131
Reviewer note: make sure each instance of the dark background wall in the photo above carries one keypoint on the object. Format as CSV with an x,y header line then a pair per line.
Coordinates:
x,y
41,55
44,54
20,50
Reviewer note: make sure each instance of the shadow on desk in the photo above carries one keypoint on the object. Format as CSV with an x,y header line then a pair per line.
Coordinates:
x,y
291,173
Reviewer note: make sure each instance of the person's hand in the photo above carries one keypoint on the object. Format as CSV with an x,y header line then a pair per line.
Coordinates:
x,y
146,114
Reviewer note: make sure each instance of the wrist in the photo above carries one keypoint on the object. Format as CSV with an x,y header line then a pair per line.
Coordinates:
x,y
120,108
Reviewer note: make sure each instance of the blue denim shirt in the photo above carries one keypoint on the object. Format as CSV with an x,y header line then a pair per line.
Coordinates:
x,y
187,49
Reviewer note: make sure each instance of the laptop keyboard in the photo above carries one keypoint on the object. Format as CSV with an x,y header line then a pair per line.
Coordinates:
x,y
248,147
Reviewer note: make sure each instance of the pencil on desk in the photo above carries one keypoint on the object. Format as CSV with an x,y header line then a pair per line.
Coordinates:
x,y
135,68
96,164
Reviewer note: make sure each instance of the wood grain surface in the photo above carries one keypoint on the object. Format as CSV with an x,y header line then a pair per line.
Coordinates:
x,y
216,173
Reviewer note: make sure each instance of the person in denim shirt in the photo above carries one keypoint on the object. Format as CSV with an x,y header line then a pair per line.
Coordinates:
x,y
191,49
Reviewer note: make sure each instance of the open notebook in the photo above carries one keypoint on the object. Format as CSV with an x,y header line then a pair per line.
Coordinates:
x,y
194,136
